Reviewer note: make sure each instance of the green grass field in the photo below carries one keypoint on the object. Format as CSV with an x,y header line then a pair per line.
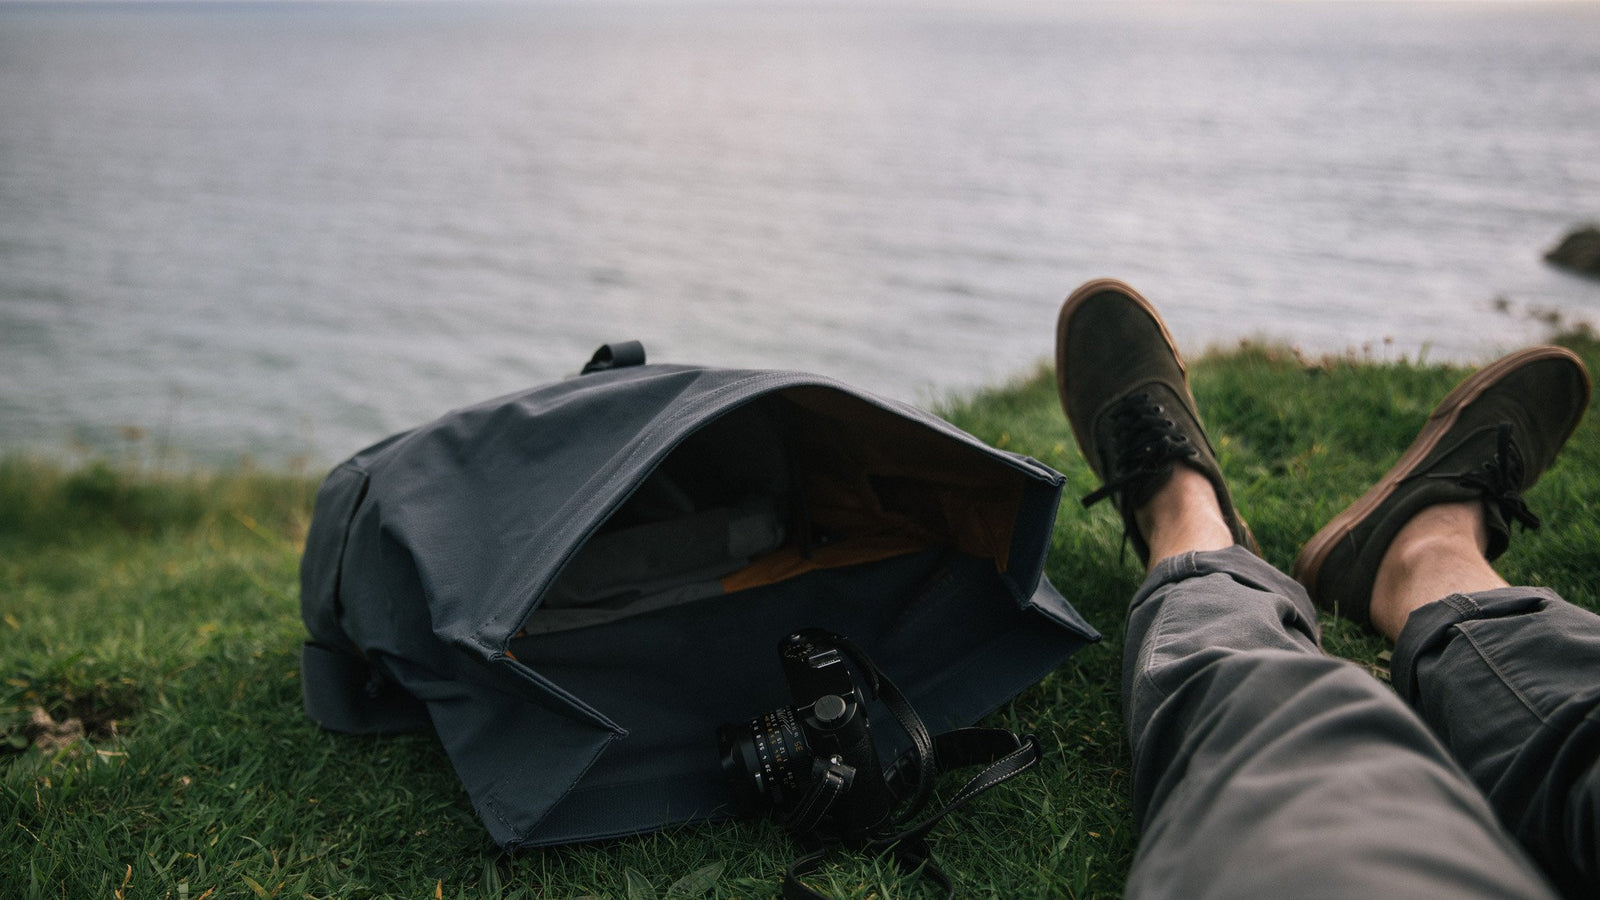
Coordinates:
x,y
161,613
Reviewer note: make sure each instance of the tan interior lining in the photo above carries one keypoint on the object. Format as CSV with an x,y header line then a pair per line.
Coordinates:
x,y
842,481
878,485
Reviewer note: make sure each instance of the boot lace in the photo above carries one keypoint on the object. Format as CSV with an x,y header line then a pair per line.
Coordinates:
x,y
1145,442
1499,480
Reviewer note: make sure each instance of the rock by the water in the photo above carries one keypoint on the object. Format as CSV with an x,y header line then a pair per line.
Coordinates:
x,y
1579,252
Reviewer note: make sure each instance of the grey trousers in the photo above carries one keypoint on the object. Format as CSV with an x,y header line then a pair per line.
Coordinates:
x,y
1264,768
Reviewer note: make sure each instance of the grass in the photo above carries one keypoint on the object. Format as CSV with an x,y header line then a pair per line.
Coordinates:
x,y
161,613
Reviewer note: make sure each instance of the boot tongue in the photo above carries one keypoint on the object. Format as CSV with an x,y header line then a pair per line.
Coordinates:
x,y
1141,491
1499,529
1499,480
1140,495
1141,446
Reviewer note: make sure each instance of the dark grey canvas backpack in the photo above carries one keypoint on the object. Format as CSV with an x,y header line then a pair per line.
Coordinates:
x,y
576,585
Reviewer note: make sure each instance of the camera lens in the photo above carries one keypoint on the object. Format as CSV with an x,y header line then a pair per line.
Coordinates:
x,y
765,760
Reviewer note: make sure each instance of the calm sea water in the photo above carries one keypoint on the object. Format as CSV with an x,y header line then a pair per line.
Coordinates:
x,y
287,230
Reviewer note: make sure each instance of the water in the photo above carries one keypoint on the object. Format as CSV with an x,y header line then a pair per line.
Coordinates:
x,y
287,230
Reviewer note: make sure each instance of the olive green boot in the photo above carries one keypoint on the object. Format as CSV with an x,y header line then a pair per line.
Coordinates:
x,y
1124,389
1490,439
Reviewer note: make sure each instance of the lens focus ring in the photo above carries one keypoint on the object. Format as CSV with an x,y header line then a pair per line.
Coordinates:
x,y
766,761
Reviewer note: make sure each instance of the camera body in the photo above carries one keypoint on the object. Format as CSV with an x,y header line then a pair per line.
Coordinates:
x,y
813,768
783,762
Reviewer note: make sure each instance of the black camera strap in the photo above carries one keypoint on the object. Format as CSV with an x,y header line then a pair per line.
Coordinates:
x,y
829,787
1007,756
922,760
1004,755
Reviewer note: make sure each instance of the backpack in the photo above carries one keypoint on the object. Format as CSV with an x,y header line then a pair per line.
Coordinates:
x,y
574,586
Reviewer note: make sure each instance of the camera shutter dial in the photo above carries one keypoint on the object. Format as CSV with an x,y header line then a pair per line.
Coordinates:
x,y
830,710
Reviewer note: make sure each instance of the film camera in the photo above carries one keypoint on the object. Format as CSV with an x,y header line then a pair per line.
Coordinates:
x,y
814,769
812,766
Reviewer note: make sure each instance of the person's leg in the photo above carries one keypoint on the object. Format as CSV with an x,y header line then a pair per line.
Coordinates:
x,y
1508,680
1506,676
1264,768
1261,766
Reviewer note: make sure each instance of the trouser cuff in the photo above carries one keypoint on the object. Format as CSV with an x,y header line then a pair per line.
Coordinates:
x,y
1431,626
1237,563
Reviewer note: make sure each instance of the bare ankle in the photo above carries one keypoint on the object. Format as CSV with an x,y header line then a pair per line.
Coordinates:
x,y
1183,515
1438,553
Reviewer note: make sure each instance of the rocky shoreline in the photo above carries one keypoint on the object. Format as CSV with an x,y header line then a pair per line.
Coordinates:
x,y
1578,252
